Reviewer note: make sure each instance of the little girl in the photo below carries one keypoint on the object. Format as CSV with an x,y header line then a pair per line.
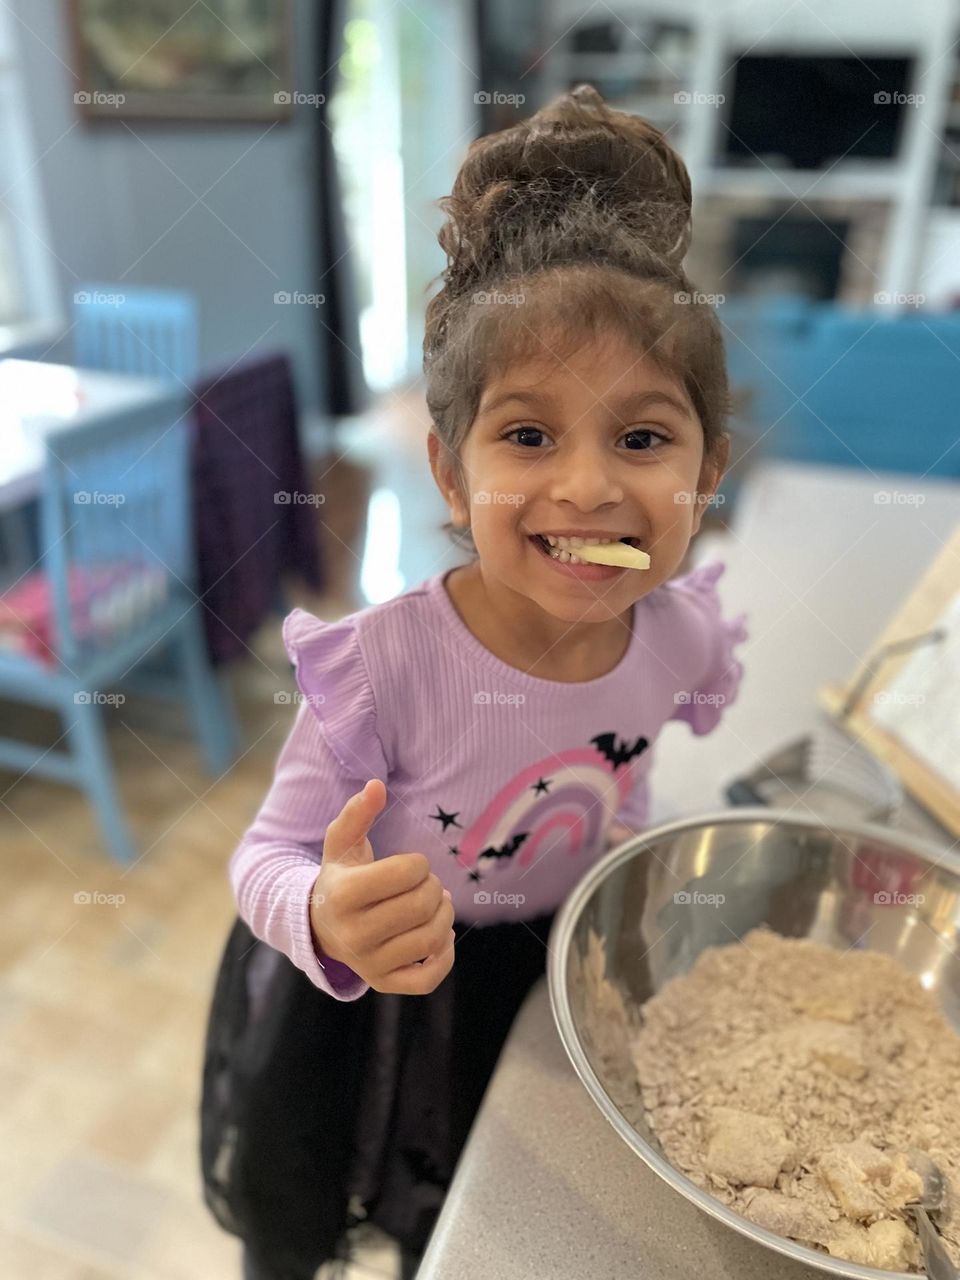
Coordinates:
x,y
463,753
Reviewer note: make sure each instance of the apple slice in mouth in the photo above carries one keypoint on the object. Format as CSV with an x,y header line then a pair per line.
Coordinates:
x,y
622,554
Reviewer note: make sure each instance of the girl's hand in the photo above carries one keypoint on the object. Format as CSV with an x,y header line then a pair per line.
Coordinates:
x,y
380,917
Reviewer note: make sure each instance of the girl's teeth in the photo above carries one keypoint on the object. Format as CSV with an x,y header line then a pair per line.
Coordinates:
x,y
564,549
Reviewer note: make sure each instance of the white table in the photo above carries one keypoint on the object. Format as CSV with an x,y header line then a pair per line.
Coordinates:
x,y
36,398
545,1187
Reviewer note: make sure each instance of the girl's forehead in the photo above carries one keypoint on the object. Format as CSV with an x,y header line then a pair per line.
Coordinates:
x,y
602,369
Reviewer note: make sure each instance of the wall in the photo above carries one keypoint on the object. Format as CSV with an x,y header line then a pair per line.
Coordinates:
x,y
121,203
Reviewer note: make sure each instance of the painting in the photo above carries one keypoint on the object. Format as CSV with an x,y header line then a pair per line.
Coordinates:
x,y
175,60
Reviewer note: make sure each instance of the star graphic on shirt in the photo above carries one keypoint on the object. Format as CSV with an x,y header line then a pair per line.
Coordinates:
x,y
454,849
540,785
448,819
474,875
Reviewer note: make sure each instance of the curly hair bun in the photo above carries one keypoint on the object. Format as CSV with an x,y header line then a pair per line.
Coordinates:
x,y
577,182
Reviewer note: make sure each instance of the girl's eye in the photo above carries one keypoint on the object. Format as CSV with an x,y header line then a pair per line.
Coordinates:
x,y
530,437
645,431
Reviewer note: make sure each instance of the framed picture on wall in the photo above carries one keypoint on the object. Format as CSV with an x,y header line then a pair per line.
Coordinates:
x,y
219,60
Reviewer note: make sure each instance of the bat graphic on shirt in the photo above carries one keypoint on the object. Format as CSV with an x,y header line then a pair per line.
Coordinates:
x,y
505,850
618,752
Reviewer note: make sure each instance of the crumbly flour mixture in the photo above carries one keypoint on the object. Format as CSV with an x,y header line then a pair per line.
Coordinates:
x,y
796,1084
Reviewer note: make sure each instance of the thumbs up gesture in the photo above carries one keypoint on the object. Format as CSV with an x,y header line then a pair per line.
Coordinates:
x,y
389,919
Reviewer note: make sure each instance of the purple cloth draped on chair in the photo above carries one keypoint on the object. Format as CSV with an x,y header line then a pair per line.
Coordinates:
x,y
247,450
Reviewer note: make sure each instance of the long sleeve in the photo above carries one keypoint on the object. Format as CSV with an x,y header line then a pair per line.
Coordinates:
x,y
702,705
273,869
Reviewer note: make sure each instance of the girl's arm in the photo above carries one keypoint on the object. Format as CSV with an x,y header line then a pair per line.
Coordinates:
x,y
273,869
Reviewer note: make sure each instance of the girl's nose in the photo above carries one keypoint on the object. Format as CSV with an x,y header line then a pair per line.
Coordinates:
x,y
587,479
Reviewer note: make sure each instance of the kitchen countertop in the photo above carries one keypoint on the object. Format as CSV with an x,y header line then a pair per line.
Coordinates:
x,y
545,1186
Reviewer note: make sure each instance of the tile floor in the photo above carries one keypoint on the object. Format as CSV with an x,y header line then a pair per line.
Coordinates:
x,y
103,1006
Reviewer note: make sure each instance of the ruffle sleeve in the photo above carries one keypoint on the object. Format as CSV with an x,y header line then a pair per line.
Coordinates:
x,y
703,705
333,680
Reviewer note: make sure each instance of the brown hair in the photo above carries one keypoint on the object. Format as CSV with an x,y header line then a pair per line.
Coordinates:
x,y
563,225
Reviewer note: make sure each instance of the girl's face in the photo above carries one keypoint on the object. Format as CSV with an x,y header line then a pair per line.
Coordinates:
x,y
601,444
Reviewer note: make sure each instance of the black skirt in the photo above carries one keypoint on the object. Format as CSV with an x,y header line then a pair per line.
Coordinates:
x,y
317,1113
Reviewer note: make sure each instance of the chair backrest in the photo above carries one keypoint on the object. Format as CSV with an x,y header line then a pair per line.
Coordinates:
x,y
117,540
152,332
877,392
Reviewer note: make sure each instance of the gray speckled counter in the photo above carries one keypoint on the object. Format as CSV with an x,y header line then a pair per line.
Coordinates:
x,y
546,1188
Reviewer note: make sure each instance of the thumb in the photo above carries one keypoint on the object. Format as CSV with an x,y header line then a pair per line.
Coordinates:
x,y
346,839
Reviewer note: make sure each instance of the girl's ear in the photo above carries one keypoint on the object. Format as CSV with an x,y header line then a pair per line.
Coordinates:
x,y
711,473
443,466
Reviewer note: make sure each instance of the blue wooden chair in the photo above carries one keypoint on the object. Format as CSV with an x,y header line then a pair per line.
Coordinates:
x,y
151,332
117,586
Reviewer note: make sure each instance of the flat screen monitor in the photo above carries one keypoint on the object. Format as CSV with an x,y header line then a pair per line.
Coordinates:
x,y
803,112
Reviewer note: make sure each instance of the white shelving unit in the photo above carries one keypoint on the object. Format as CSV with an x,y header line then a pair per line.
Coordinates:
x,y
718,31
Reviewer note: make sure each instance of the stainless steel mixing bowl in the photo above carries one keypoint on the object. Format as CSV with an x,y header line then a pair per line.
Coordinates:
x,y
660,899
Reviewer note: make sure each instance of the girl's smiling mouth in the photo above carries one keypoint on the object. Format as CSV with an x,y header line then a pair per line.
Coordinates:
x,y
559,550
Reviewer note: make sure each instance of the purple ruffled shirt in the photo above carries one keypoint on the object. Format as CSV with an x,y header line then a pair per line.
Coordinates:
x,y
508,783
